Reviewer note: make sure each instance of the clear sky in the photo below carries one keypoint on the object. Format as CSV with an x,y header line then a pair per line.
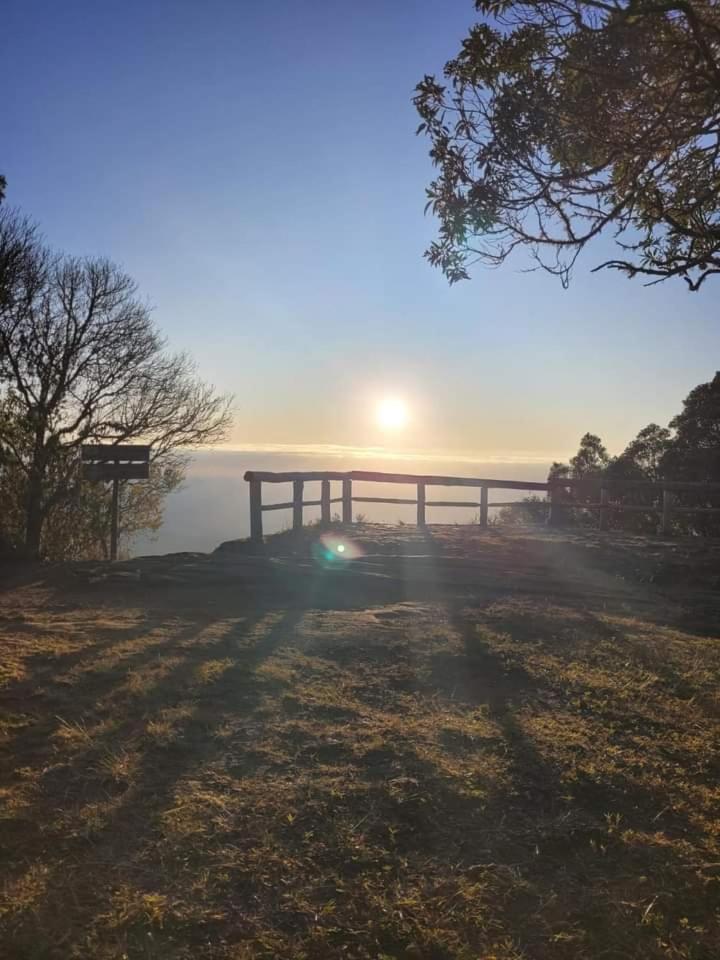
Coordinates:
x,y
254,166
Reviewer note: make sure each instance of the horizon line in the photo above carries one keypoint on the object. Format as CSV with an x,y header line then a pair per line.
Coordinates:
x,y
338,450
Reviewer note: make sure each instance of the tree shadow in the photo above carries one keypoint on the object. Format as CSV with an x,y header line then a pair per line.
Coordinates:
x,y
134,804
561,836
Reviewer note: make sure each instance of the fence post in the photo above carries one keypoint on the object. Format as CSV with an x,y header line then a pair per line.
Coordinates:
x,y
667,505
604,510
256,526
298,504
484,506
421,504
347,501
555,513
325,502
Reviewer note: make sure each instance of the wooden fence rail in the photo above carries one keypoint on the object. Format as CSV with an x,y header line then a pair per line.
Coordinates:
x,y
557,503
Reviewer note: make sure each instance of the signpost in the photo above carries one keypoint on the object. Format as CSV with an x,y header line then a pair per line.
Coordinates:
x,y
115,462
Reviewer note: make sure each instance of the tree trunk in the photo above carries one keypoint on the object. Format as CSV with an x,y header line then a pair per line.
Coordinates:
x,y
34,514
34,518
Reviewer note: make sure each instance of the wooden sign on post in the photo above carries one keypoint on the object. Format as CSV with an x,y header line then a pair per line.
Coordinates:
x,y
115,462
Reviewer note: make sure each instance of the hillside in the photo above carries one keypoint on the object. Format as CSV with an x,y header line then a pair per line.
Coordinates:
x,y
456,744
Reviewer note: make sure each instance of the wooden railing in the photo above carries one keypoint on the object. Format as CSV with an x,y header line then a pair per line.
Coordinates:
x,y
557,505
664,492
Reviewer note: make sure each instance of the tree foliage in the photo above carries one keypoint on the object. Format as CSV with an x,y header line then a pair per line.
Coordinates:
x,y
644,456
591,458
563,119
694,453
81,361
689,449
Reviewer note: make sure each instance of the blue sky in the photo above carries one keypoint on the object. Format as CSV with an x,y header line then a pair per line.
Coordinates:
x,y
254,167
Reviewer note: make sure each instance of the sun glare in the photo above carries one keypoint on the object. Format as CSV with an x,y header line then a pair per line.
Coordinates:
x,y
392,413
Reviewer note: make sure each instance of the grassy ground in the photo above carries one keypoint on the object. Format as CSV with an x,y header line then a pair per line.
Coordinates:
x,y
511,757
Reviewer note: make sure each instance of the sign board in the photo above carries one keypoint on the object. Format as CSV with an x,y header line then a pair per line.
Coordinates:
x,y
135,452
115,461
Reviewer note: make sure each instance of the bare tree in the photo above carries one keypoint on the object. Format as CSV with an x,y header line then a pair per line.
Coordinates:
x,y
82,361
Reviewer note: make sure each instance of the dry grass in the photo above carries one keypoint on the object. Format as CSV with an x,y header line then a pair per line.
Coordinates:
x,y
501,776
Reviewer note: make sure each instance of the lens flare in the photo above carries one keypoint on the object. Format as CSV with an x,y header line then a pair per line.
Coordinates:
x,y
334,551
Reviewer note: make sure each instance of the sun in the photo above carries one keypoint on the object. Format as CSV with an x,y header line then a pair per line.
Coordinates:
x,y
392,413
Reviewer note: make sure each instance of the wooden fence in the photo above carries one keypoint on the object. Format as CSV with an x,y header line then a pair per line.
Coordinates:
x,y
558,502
